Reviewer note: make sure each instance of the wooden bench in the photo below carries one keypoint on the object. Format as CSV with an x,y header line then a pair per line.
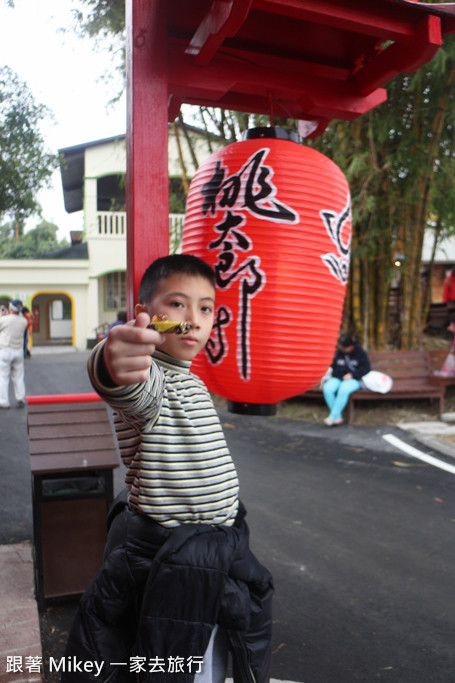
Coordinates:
x,y
411,373
72,457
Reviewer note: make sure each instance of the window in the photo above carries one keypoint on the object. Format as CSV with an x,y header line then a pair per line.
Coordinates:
x,y
111,193
57,310
60,310
115,291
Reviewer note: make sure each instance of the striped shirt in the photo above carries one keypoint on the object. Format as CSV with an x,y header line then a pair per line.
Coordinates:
x,y
171,440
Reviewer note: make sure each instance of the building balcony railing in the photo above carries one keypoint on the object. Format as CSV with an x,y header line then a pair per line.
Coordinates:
x,y
113,224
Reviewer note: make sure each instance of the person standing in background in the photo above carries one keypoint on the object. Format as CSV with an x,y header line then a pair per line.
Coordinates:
x,y
12,330
28,330
121,320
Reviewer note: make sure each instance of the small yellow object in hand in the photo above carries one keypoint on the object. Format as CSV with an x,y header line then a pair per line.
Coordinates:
x,y
160,323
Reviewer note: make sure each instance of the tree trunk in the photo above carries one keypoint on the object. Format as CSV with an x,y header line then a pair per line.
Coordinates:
x,y
189,142
181,159
356,285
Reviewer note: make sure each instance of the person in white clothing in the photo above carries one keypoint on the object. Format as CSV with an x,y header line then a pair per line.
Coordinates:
x,y
12,328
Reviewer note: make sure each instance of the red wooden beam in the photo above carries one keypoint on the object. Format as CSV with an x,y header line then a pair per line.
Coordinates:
x,y
302,94
223,19
62,398
399,58
391,20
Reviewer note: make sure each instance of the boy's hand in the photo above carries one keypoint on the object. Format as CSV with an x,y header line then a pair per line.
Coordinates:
x,y
128,350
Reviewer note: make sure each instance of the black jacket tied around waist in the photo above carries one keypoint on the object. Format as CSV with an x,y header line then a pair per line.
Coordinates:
x,y
159,595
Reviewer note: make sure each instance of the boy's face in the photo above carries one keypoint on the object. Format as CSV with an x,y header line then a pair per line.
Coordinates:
x,y
184,298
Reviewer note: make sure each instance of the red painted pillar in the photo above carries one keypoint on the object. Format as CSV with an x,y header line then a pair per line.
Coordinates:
x,y
147,193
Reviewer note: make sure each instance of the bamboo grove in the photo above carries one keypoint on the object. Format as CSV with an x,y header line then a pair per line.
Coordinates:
x,y
399,160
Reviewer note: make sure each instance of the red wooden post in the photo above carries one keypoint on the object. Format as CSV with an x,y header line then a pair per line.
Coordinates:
x,y
147,193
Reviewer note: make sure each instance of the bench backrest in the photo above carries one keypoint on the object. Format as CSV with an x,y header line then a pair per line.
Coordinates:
x,y
436,358
401,365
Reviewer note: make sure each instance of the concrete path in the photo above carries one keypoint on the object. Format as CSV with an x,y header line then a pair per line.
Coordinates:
x,y
20,643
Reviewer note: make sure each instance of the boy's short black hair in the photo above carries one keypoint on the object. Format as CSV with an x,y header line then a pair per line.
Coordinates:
x,y
166,266
345,340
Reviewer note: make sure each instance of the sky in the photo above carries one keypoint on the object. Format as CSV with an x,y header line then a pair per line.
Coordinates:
x,y
70,77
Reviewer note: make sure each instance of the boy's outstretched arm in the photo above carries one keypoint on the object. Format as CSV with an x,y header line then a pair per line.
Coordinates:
x,y
128,349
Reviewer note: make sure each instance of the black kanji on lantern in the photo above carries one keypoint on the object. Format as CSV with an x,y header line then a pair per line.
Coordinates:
x,y
248,192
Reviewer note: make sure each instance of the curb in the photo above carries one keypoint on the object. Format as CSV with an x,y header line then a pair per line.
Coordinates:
x,y
435,444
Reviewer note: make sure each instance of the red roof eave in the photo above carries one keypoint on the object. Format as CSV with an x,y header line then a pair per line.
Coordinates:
x,y
303,59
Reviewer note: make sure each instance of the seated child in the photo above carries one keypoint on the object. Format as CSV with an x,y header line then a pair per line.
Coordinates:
x,y
178,575
350,363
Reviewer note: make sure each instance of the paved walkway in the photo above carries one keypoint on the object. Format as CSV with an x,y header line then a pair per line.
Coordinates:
x,y
20,643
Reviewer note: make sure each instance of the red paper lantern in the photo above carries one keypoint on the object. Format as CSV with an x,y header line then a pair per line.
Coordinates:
x,y
273,218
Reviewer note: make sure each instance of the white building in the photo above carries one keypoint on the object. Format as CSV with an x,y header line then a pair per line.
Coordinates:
x,y
75,293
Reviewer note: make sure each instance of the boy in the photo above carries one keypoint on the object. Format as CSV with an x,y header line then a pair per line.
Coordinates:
x,y
178,551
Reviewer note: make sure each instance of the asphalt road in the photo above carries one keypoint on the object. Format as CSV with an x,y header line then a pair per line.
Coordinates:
x,y
358,536
360,543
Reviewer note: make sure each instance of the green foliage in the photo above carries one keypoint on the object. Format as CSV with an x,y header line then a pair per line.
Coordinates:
x,y
176,203
103,21
101,18
25,164
33,244
228,125
399,161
